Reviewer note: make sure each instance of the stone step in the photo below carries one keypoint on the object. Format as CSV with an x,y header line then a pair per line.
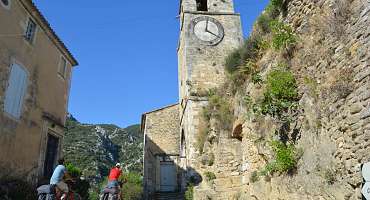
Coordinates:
x,y
169,196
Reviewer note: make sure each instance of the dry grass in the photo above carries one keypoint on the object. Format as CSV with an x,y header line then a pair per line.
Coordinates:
x,y
333,21
339,85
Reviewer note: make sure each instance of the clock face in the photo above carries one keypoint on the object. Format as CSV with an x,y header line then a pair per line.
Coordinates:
x,y
207,30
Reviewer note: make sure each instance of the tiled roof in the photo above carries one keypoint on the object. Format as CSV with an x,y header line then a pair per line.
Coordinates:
x,y
35,12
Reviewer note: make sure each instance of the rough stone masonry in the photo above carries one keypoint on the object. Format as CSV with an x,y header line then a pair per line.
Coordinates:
x,y
333,122
331,128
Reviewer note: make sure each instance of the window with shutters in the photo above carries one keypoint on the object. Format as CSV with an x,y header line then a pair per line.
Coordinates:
x,y
63,67
31,30
16,90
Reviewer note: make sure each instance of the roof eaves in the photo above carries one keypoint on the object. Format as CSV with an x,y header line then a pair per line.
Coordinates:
x,y
159,109
35,12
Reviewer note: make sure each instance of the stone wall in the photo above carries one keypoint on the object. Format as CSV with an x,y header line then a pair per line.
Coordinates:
x,y
201,68
213,5
44,109
331,63
162,127
162,143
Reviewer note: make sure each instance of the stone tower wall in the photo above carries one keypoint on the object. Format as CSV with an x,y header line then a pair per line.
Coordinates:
x,y
213,5
201,67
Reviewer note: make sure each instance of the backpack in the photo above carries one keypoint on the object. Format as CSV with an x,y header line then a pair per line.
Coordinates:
x,y
109,194
46,197
46,192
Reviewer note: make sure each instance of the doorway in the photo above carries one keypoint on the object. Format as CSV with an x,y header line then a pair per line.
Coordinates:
x,y
52,149
168,177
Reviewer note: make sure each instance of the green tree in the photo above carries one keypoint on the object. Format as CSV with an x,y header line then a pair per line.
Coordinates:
x,y
132,186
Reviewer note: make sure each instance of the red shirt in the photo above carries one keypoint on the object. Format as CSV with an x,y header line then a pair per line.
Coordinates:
x,y
114,174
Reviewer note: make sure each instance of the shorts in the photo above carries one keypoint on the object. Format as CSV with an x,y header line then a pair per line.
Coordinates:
x,y
62,187
113,184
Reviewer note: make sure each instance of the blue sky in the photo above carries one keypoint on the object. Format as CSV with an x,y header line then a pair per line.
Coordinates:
x,y
127,54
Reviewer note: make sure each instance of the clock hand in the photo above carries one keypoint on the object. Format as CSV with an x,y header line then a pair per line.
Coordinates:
x,y
212,33
206,26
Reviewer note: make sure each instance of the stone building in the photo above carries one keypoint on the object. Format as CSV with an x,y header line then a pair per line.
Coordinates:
x,y
35,80
210,30
161,144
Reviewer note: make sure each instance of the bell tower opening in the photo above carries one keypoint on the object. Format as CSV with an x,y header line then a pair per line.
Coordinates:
x,y
202,5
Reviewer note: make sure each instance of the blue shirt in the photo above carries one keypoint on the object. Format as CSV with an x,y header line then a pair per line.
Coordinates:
x,y
58,174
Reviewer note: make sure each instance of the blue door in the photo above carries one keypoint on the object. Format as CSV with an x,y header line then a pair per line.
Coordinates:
x,y
168,177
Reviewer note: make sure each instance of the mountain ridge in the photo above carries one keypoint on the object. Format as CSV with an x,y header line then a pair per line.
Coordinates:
x,y
95,148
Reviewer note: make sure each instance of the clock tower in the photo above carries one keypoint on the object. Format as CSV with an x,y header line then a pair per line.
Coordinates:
x,y
210,30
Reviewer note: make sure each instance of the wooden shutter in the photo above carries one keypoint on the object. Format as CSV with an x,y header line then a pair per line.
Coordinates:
x,y
63,67
15,92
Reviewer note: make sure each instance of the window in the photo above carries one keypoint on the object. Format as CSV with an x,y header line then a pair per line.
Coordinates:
x,y
31,30
16,90
202,5
5,3
63,67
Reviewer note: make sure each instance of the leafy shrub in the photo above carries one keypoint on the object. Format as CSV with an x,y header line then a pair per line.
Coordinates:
x,y
263,23
93,195
286,158
81,187
250,48
272,11
257,78
132,187
281,92
210,176
263,45
220,109
73,170
277,3
189,194
282,35
233,61
247,101
247,52
269,169
248,68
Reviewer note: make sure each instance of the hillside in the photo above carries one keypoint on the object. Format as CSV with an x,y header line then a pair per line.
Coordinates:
x,y
96,148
